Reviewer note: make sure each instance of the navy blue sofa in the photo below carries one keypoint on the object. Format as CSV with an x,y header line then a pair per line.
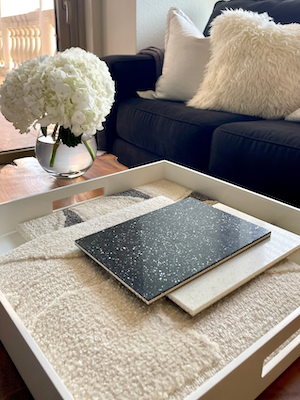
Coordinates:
x,y
260,155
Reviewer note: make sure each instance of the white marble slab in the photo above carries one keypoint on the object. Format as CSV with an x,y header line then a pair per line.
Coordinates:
x,y
216,283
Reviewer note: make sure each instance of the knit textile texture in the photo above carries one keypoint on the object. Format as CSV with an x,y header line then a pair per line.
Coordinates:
x,y
105,343
101,206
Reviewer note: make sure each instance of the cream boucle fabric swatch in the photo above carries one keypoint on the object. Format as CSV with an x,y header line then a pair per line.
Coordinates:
x,y
60,243
101,206
165,188
119,348
254,66
35,228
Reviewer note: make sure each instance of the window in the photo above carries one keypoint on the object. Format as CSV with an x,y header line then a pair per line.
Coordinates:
x,y
29,29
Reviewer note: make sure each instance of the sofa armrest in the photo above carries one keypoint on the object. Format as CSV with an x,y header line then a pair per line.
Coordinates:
x,y
131,73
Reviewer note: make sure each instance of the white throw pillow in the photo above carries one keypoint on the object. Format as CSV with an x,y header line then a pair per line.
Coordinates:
x,y
187,53
294,116
254,67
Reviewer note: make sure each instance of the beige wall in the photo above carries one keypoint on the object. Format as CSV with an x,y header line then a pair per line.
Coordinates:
x,y
151,18
127,26
119,26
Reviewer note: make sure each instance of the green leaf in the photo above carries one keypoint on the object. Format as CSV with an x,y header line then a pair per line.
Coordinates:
x,y
68,138
44,130
87,145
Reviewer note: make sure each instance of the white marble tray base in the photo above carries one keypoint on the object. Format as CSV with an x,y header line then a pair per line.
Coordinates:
x,y
216,283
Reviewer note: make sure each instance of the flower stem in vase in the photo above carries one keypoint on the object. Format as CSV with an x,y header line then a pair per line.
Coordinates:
x,y
54,131
55,147
88,146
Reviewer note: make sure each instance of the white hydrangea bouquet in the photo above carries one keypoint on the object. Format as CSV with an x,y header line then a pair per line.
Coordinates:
x,y
72,90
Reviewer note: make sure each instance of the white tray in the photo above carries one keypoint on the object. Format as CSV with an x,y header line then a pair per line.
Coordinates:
x,y
245,377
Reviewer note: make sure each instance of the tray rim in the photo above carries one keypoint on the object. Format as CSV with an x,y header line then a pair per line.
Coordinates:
x,y
251,360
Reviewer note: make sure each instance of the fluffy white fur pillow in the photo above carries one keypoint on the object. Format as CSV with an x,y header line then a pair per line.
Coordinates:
x,y
187,53
254,68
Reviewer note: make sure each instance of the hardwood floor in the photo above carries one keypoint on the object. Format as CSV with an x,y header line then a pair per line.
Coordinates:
x,y
286,387
12,386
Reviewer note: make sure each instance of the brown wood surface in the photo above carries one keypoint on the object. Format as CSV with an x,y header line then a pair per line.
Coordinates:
x,y
25,177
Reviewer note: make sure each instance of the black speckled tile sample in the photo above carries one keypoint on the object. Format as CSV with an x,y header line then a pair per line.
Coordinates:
x,y
157,252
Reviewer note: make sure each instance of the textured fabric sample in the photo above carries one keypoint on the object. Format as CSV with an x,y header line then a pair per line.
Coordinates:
x,y
101,206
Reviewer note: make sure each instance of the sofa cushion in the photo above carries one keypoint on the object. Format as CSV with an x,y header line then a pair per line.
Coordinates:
x,y
171,130
250,52
186,55
132,156
283,11
262,155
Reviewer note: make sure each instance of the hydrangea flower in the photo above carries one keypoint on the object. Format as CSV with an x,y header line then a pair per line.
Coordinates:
x,y
73,89
21,96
